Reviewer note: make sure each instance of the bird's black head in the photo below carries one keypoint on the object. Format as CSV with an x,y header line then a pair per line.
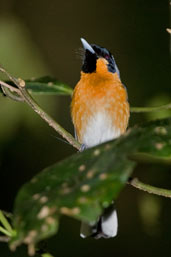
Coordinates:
x,y
92,54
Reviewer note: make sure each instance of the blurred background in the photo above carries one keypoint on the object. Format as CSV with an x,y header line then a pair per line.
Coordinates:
x,y
40,38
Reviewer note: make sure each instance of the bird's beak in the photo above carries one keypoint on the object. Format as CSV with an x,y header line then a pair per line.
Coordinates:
x,y
87,46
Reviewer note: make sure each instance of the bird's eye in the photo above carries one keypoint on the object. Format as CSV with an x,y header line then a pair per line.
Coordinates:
x,y
107,57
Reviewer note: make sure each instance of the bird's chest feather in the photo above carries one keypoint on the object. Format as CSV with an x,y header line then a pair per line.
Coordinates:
x,y
100,111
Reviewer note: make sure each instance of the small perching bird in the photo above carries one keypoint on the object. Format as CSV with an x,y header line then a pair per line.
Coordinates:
x,y
100,112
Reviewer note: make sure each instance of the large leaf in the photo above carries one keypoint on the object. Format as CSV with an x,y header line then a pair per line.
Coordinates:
x,y
84,184
46,86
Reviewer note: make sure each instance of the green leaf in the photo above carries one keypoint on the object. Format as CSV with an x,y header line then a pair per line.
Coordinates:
x,y
46,86
84,184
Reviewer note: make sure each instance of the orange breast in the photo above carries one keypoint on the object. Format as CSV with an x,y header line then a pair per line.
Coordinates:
x,y
95,93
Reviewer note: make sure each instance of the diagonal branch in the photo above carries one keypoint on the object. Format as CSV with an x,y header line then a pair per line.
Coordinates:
x,y
23,95
52,123
21,90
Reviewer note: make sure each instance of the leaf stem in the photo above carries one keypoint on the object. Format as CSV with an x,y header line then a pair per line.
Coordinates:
x,y
150,109
150,189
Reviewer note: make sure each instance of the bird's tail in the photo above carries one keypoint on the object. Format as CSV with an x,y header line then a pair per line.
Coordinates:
x,y
106,226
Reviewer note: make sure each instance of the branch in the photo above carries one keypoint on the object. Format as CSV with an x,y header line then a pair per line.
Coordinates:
x,y
132,109
150,109
23,95
7,90
150,189
13,89
21,90
52,123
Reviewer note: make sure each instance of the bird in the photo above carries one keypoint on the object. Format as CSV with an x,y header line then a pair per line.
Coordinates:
x,y
100,112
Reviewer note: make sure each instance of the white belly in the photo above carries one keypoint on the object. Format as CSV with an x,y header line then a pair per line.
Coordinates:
x,y
99,129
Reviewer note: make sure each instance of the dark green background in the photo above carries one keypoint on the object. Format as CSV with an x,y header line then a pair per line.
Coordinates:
x,y
43,38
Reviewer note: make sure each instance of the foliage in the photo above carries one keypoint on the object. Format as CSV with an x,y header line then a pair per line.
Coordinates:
x,y
45,86
84,184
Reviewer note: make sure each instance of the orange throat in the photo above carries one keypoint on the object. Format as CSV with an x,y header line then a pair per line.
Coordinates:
x,y
99,108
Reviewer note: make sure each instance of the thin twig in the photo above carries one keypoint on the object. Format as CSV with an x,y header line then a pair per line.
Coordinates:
x,y
52,123
132,109
150,109
14,80
13,89
12,96
21,90
150,189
